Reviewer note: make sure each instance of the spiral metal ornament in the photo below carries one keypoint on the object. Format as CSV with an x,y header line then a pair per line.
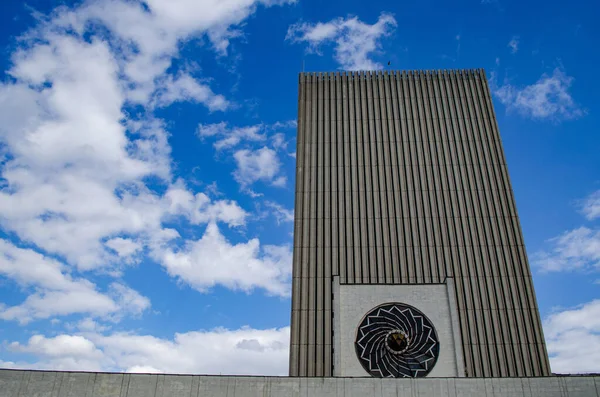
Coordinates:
x,y
395,341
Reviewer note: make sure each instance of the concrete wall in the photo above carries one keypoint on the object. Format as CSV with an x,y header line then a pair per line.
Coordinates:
x,y
15,383
355,300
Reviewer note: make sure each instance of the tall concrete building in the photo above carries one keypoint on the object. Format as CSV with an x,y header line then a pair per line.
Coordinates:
x,y
409,259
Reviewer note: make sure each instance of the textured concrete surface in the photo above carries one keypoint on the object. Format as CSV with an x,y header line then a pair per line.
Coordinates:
x,y
15,383
356,300
401,178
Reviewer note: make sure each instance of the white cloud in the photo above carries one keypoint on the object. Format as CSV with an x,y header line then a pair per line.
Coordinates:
x,y
231,137
57,292
185,88
143,369
129,298
280,181
90,325
252,165
354,40
200,209
124,247
149,34
77,165
573,339
280,213
258,165
278,141
513,44
75,174
213,260
590,206
284,124
70,151
244,351
548,98
61,345
577,249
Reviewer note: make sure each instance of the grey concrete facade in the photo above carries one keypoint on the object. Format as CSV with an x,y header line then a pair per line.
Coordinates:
x,y
401,179
354,300
14,383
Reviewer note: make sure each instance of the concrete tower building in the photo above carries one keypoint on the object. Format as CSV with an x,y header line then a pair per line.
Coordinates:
x,y
408,254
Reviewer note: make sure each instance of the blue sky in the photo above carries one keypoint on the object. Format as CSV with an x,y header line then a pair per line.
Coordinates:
x,y
148,153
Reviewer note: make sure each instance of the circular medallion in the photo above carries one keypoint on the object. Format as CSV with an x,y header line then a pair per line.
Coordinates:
x,y
395,340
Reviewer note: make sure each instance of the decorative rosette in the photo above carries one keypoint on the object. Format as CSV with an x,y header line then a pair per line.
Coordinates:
x,y
395,340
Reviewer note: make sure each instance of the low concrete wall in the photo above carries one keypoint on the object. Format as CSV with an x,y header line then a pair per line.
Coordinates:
x,y
15,383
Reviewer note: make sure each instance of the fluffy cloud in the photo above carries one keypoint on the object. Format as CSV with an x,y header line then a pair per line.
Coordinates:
x,y
573,339
213,260
244,351
279,142
226,137
258,165
77,160
252,164
89,325
230,137
129,299
354,40
284,124
548,98
124,247
590,206
185,88
577,249
279,212
75,176
573,335
62,345
150,32
200,209
57,292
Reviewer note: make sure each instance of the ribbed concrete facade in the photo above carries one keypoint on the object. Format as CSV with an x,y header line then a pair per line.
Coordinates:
x,y
401,179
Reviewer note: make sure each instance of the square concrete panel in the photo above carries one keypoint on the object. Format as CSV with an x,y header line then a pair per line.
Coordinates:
x,y
579,387
10,382
40,384
356,300
282,387
141,385
216,386
75,384
169,386
104,385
